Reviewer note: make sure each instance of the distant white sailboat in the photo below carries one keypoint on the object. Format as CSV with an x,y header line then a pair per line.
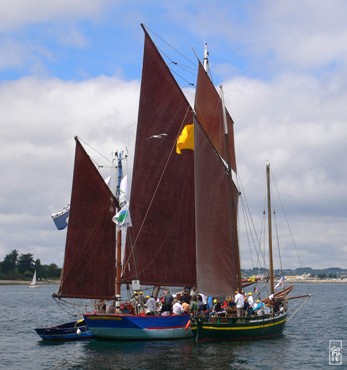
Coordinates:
x,y
33,283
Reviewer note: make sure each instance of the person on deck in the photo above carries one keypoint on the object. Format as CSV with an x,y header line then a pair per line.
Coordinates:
x,y
135,303
177,307
166,309
201,304
246,307
239,301
259,307
185,306
141,302
217,307
151,305
168,298
194,306
250,298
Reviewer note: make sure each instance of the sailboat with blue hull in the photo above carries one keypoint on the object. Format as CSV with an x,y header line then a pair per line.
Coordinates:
x,y
162,235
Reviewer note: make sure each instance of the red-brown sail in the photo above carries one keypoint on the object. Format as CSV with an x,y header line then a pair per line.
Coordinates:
x,y
216,234
218,264
89,263
209,110
160,246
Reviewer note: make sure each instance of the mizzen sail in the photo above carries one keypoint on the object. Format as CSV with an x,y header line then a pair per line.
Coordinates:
x,y
218,265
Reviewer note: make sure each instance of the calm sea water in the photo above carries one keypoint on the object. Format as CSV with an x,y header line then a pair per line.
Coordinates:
x,y
305,344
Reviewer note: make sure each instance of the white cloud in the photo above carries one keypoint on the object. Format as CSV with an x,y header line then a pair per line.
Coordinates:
x,y
39,121
299,124
16,14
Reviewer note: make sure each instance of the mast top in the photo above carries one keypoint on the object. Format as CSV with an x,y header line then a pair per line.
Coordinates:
x,y
206,54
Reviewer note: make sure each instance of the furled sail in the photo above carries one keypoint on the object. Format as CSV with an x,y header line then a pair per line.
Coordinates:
x,y
216,196
160,246
89,263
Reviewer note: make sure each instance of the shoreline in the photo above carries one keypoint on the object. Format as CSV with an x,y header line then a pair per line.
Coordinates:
x,y
27,282
314,281
288,280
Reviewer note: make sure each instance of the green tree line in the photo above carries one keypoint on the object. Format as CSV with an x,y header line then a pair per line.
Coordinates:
x,y
17,266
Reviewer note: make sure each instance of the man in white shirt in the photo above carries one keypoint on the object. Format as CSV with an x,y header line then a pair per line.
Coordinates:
x,y
240,302
250,299
151,305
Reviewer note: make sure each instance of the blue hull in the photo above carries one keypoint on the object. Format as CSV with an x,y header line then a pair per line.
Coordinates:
x,y
68,331
136,327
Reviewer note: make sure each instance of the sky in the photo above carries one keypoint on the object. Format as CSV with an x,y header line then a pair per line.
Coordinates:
x,y
72,68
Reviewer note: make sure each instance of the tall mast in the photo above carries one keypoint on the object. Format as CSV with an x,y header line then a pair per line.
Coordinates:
x,y
272,289
119,233
226,137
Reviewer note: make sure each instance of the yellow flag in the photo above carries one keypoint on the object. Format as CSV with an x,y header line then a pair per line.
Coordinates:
x,y
186,139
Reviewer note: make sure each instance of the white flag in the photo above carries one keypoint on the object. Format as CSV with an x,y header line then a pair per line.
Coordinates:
x,y
123,191
122,218
280,283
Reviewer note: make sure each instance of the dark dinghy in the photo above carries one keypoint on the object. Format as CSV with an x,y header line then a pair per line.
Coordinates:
x,y
75,330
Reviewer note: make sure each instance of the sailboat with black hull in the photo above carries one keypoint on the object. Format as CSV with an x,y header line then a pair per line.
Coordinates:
x,y
217,238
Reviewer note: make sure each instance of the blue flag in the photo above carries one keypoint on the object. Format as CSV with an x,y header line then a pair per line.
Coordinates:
x,y
61,217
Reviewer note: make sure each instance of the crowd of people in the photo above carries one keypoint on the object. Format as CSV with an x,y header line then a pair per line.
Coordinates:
x,y
240,305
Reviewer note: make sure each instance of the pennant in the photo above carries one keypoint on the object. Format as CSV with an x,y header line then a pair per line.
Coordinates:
x,y
186,139
280,283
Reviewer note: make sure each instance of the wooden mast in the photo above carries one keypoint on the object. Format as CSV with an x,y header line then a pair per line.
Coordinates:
x,y
272,289
119,237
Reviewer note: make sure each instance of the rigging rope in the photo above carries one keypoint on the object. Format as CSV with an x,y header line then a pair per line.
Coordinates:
x,y
250,227
191,70
299,308
63,304
131,253
278,242
163,40
107,159
285,217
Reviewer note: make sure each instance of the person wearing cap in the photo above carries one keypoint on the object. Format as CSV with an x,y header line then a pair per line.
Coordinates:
x,y
151,305
259,307
217,307
134,302
141,302
250,298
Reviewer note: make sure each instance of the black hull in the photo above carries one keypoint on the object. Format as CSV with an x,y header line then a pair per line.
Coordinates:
x,y
236,329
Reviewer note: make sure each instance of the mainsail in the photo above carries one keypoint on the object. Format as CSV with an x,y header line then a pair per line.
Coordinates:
x,y
218,265
160,246
89,262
